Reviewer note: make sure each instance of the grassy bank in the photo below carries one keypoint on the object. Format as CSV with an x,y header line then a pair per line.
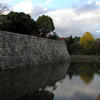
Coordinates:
x,y
85,58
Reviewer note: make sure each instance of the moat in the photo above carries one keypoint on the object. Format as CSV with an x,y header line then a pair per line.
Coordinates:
x,y
81,82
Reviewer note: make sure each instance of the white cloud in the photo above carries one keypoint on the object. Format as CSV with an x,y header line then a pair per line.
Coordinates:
x,y
37,11
28,7
25,6
68,21
86,6
75,20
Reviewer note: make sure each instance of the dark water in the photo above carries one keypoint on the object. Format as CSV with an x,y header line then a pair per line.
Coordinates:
x,y
17,82
81,82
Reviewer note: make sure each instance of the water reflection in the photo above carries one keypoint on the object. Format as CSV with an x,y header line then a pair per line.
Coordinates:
x,y
38,95
81,83
84,70
98,98
18,82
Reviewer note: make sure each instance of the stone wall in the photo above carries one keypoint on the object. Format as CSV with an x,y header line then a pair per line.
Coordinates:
x,y
20,60
18,50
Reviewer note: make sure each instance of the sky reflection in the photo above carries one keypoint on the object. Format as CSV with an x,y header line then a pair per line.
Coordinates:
x,y
80,87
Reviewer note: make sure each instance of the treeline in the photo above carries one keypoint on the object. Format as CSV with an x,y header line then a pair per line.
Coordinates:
x,y
22,23
85,45
19,22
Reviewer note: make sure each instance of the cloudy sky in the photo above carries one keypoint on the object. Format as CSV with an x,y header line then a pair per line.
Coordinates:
x,y
71,17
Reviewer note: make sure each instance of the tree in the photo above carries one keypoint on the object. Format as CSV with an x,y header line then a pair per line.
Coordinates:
x,y
19,22
70,42
97,46
87,41
55,36
3,8
45,25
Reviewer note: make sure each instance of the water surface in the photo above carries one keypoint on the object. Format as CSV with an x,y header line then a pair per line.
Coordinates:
x,y
17,82
81,82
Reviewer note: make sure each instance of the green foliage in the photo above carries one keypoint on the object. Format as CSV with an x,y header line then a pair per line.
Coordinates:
x,y
86,45
55,36
19,22
97,46
76,40
98,39
73,44
45,24
97,50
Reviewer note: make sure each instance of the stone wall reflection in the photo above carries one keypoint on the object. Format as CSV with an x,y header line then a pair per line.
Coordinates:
x,y
38,95
18,82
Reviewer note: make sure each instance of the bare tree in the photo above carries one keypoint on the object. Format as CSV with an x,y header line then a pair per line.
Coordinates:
x,y
3,8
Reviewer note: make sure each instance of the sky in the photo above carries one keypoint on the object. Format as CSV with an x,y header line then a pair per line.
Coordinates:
x,y
71,17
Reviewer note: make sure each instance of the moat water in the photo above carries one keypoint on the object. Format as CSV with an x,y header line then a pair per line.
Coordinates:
x,y
81,82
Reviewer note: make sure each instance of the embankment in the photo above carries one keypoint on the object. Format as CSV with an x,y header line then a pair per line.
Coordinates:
x,y
85,58
27,63
18,50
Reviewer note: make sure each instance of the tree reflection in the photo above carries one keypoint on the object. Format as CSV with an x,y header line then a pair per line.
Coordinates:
x,y
38,95
86,74
98,98
86,71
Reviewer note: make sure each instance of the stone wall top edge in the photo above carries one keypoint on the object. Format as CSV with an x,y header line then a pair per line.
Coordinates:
x,y
28,36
